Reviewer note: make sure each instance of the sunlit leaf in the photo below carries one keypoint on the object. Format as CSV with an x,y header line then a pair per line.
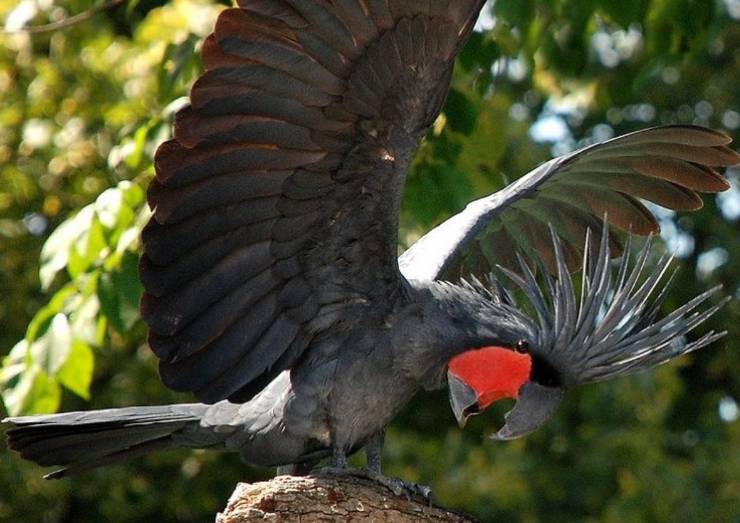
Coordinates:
x,y
55,253
484,147
77,372
41,320
84,320
50,350
108,207
17,388
134,160
133,194
14,363
35,392
86,251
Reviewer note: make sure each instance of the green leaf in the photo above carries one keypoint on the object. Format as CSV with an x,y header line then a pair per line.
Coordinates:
x,y
129,239
41,320
515,12
131,200
34,393
108,207
95,241
483,149
135,159
17,386
84,320
481,52
624,12
14,364
51,350
77,372
56,250
44,396
461,112
119,292
76,262
437,191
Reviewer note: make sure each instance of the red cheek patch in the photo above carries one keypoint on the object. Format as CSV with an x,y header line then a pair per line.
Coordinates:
x,y
492,372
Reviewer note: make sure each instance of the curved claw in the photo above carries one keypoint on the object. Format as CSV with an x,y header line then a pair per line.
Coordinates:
x,y
403,488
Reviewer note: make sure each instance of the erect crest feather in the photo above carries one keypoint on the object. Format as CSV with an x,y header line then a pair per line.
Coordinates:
x,y
612,328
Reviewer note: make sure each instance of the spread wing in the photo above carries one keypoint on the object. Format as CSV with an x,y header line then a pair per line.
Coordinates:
x,y
276,203
666,165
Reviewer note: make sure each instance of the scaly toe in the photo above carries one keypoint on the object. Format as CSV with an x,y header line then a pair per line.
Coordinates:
x,y
402,488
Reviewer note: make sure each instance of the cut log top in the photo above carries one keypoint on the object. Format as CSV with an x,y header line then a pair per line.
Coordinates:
x,y
326,498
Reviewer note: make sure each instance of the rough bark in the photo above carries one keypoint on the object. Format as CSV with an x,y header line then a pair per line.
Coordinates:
x,y
326,498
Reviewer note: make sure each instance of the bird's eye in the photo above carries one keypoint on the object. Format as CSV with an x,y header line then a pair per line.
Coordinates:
x,y
522,346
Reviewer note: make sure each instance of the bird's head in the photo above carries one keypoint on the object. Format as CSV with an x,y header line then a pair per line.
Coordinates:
x,y
478,378
611,329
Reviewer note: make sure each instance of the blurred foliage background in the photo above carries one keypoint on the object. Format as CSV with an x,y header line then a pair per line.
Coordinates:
x,y
82,109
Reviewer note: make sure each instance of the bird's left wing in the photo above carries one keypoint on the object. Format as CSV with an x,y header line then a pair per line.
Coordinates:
x,y
276,204
666,165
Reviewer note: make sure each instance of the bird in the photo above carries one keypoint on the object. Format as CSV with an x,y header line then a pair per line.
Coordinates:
x,y
273,289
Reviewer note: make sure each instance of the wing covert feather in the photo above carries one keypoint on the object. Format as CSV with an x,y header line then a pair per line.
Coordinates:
x,y
666,165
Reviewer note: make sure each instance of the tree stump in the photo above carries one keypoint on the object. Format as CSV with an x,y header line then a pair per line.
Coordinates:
x,y
308,499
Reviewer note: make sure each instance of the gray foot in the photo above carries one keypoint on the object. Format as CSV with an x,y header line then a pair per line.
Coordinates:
x,y
397,486
400,487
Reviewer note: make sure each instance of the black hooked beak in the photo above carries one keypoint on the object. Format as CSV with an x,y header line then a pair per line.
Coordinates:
x,y
463,399
535,405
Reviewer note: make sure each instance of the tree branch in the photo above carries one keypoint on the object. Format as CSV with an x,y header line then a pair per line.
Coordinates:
x,y
326,498
65,22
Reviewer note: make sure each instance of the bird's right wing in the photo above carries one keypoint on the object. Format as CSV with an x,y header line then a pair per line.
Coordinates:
x,y
276,202
665,165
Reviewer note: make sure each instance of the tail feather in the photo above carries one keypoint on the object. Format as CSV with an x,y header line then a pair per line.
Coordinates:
x,y
121,455
65,449
83,440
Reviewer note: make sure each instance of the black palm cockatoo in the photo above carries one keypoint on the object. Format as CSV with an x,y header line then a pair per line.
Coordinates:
x,y
274,291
